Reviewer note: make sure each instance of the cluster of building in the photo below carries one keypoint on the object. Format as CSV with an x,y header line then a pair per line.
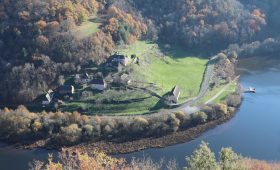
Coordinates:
x,y
52,97
116,62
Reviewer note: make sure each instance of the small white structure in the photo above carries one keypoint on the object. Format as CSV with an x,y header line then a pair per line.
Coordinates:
x,y
98,84
175,94
49,97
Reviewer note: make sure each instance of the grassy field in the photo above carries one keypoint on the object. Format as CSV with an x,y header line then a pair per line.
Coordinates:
x,y
229,90
221,98
163,70
120,102
86,29
174,67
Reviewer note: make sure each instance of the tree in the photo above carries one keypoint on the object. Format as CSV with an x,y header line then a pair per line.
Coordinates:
x,y
202,159
229,159
199,117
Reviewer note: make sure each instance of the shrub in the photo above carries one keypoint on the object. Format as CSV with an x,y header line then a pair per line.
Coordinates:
x,y
70,134
173,122
74,117
234,100
36,126
199,117
87,131
139,124
180,115
221,109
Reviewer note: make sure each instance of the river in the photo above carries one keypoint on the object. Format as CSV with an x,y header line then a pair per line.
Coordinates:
x,y
254,131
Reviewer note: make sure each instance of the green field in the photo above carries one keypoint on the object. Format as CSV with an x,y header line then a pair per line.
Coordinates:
x,y
120,102
86,29
157,71
221,98
175,67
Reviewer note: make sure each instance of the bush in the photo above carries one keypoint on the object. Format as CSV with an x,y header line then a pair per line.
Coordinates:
x,y
139,125
234,100
180,115
173,122
221,109
199,117
70,134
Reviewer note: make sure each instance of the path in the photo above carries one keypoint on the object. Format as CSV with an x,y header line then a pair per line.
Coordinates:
x,y
187,105
220,92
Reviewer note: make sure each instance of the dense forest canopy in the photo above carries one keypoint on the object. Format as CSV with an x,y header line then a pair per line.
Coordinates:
x,y
206,23
38,45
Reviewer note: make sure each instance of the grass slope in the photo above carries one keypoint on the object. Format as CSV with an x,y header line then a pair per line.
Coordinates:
x,y
221,98
175,67
87,28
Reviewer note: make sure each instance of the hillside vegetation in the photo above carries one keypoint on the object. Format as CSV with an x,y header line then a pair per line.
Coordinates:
x,y
38,42
211,24
43,41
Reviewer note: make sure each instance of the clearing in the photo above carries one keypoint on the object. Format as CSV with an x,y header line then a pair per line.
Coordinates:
x,y
173,67
87,28
158,71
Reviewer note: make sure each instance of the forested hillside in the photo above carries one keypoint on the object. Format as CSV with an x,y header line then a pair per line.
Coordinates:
x,y
271,9
203,24
39,46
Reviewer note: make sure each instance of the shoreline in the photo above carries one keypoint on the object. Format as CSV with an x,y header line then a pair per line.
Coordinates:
x,y
128,145
114,148
180,137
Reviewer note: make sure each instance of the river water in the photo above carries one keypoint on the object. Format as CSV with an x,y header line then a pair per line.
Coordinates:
x,y
254,131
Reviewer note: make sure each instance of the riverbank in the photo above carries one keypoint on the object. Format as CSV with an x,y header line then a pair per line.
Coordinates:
x,y
118,147
152,142
257,142
129,133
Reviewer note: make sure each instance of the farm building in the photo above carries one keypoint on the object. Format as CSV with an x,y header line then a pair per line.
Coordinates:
x,y
175,94
66,89
122,59
48,98
98,84
82,78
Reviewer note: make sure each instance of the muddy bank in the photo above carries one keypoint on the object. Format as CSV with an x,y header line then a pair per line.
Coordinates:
x,y
129,146
160,142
